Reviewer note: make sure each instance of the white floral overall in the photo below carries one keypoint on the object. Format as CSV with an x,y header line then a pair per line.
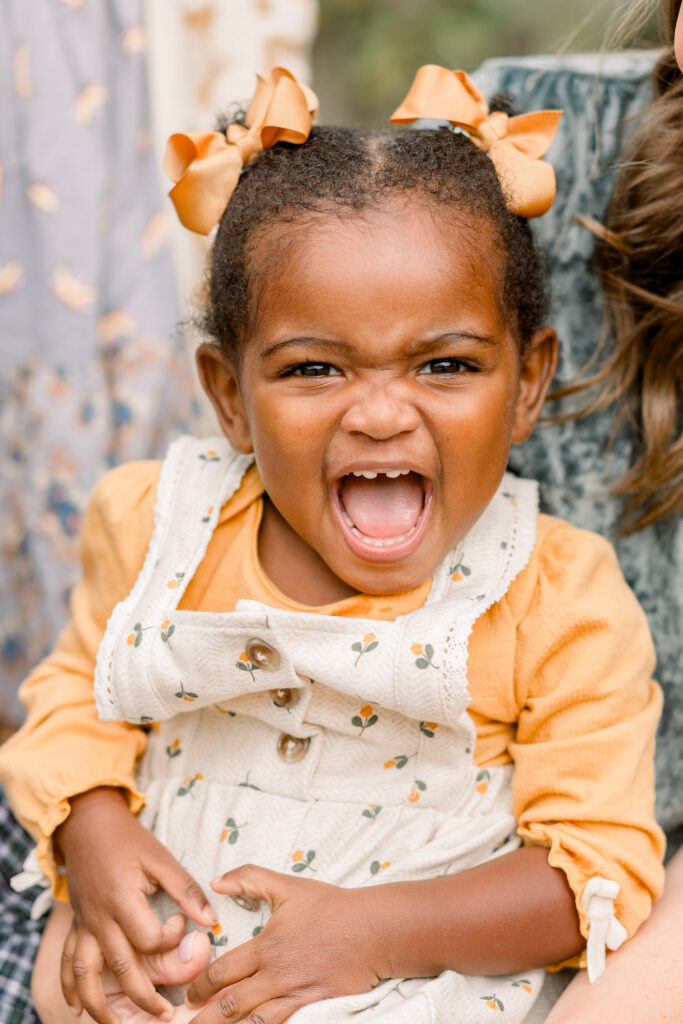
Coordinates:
x,y
329,746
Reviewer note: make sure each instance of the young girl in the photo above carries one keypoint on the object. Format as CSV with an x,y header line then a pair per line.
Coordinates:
x,y
341,628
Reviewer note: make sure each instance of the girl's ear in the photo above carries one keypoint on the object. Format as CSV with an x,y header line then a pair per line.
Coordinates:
x,y
219,379
538,369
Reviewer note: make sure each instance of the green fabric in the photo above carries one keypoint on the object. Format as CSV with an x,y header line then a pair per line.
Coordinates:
x,y
19,935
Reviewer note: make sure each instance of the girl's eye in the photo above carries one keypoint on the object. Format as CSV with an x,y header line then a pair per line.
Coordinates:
x,y
315,370
444,367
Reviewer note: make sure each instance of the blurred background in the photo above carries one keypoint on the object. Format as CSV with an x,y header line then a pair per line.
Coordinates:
x,y
97,277
367,51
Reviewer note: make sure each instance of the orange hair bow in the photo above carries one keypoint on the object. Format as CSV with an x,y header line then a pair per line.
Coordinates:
x,y
515,144
206,166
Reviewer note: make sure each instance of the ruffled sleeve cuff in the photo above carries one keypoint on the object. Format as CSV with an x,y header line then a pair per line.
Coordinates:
x,y
43,857
610,909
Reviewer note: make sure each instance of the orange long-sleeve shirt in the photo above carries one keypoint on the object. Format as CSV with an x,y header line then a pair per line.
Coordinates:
x,y
559,674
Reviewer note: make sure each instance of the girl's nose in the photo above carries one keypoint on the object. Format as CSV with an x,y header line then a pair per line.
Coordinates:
x,y
380,413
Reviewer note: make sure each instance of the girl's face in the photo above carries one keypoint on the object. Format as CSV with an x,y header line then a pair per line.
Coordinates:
x,y
380,393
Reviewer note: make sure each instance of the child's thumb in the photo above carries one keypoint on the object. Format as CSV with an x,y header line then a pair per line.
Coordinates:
x,y
180,965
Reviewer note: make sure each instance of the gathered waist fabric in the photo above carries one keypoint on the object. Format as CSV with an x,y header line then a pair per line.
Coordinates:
x,y
276,800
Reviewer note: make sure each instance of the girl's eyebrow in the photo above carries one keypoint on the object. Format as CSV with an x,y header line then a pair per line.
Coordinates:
x,y
412,348
421,345
304,340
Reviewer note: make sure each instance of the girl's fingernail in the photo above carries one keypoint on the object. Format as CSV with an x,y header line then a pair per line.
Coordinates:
x,y
74,1010
185,948
210,915
168,1016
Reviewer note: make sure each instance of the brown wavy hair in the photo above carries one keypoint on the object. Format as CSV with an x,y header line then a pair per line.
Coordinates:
x,y
639,258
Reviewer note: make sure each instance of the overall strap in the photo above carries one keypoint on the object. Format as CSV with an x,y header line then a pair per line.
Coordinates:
x,y
481,570
197,477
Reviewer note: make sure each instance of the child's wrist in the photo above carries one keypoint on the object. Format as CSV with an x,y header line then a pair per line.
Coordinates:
x,y
392,914
84,807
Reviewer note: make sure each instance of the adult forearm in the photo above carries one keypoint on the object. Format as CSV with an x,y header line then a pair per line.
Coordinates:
x,y
510,914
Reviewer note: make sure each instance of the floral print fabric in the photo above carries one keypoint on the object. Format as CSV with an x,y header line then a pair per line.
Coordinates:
x,y
92,371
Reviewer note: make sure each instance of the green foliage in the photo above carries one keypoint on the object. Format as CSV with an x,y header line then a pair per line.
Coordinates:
x,y
367,51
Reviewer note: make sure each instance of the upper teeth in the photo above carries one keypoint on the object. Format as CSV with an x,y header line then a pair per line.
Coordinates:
x,y
370,474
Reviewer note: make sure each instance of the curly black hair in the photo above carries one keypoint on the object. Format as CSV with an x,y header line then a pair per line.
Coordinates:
x,y
343,170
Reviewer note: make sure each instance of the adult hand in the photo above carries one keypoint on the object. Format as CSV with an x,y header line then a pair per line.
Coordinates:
x,y
176,967
112,865
318,944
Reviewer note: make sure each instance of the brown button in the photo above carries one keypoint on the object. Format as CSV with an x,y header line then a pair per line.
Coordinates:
x,y
292,748
262,655
284,698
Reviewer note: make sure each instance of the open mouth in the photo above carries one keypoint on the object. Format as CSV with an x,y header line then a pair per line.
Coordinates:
x,y
383,513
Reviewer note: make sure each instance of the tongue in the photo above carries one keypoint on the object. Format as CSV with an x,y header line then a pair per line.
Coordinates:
x,y
382,507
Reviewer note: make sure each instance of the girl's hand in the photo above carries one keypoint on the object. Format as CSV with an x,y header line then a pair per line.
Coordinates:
x,y
112,865
319,943
324,941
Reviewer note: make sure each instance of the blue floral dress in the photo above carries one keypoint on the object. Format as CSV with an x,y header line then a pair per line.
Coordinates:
x,y
92,370
574,462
